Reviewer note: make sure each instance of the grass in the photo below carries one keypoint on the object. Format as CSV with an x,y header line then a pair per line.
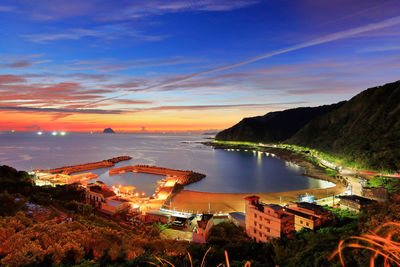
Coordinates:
x,y
176,235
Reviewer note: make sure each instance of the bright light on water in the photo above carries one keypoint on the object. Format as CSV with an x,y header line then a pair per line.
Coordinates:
x,y
62,133
39,133
54,133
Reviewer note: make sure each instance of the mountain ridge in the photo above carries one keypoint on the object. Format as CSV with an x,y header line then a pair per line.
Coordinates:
x,y
274,126
363,132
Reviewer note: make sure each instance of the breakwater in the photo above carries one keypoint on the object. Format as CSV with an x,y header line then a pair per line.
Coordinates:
x,y
87,166
183,177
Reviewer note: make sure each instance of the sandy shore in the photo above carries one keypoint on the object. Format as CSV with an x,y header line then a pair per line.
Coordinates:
x,y
192,201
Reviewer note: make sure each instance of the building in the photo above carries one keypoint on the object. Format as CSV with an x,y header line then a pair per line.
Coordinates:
x,y
377,193
114,205
266,221
238,218
97,193
202,230
156,216
308,215
354,203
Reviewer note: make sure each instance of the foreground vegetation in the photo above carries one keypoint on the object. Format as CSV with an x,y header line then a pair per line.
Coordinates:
x,y
91,240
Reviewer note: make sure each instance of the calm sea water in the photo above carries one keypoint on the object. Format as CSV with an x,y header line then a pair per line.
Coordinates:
x,y
227,171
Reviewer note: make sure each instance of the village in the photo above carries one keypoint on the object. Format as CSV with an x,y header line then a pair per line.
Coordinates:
x,y
261,221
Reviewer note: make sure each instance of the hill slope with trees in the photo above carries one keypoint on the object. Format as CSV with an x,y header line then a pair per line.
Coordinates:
x,y
365,131
274,126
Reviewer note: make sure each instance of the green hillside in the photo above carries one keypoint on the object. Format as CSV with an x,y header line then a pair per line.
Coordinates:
x,y
365,131
274,126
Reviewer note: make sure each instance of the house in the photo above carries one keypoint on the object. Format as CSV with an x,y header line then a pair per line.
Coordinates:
x,y
97,193
203,229
354,203
308,215
266,221
156,216
114,205
103,198
380,194
303,220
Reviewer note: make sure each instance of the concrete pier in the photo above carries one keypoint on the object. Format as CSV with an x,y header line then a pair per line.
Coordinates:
x,y
87,166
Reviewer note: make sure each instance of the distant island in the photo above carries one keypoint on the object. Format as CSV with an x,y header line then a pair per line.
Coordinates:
x,y
108,130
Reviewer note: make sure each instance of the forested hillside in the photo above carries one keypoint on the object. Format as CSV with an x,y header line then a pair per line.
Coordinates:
x,y
274,126
365,131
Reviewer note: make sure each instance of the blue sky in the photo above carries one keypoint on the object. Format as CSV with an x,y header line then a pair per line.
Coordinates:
x,y
135,64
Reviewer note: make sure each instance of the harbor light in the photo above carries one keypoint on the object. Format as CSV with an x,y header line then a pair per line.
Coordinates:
x,y
54,133
39,133
62,133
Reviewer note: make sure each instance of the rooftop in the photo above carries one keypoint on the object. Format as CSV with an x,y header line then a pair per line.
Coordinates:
x,y
358,199
301,214
275,207
311,206
104,191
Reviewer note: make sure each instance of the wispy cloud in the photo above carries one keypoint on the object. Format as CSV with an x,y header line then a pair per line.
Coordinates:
x,y
124,10
6,8
17,62
106,65
380,49
231,106
62,110
150,8
107,32
321,40
5,79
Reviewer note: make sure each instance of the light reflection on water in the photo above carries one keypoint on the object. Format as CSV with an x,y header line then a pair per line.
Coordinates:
x,y
227,171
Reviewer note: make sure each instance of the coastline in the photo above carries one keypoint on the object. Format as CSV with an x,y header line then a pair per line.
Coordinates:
x,y
194,201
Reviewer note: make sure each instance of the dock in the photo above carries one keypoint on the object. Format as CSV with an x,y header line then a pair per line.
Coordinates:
x,y
87,166
183,177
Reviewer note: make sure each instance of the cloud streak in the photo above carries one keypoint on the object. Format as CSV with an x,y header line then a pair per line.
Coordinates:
x,y
62,110
109,32
325,39
206,107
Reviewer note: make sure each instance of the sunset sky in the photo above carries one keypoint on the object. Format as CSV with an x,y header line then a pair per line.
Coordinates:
x,y
84,65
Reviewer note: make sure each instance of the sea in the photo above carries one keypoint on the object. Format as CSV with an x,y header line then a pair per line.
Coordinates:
x,y
226,171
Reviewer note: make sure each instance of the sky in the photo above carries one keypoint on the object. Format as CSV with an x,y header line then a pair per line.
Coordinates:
x,y
151,66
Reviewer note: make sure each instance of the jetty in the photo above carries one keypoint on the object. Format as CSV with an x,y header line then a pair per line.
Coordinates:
x,y
87,166
182,177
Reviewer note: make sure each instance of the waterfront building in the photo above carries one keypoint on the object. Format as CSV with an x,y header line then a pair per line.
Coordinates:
x,y
97,193
156,216
266,221
354,203
114,205
308,215
103,198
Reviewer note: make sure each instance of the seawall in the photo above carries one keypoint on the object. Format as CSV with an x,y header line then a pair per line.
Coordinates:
x,y
87,166
184,177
